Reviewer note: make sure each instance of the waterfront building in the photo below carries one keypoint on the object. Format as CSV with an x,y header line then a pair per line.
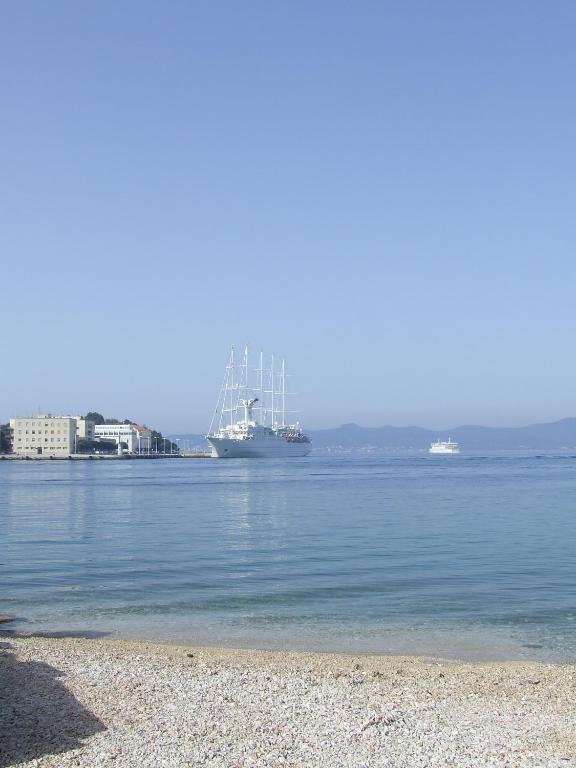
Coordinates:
x,y
84,428
43,434
136,437
144,438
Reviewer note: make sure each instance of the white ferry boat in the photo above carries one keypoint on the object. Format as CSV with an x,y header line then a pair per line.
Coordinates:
x,y
444,446
252,419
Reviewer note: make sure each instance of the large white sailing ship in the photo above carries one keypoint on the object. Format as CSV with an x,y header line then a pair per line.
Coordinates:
x,y
250,417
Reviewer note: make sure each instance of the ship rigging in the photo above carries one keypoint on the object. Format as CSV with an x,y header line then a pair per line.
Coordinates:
x,y
250,417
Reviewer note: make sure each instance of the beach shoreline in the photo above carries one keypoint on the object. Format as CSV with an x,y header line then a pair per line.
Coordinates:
x,y
142,703
436,642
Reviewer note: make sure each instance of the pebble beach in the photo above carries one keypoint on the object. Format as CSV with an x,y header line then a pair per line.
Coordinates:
x,y
101,702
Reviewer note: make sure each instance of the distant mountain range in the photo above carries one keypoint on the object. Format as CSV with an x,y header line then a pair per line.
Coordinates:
x,y
555,435
558,434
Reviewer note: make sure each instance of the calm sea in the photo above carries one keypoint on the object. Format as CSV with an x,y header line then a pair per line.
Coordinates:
x,y
470,556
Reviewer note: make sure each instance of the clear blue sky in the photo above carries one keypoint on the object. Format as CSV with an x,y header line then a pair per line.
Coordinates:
x,y
384,192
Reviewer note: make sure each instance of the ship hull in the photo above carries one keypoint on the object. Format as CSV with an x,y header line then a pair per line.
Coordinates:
x,y
228,448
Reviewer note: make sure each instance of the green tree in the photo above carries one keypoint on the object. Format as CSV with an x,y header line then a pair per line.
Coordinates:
x,y
92,446
96,417
5,439
162,444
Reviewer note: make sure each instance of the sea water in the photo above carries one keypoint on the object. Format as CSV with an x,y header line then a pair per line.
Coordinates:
x,y
469,556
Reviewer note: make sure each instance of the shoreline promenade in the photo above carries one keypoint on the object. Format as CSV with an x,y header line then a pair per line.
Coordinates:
x,y
107,457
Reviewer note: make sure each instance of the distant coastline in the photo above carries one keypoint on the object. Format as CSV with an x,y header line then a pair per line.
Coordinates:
x,y
557,435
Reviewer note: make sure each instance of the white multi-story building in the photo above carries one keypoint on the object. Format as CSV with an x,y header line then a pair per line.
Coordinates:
x,y
84,428
136,438
43,434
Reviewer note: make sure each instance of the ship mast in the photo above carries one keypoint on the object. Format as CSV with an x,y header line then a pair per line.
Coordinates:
x,y
246,367
242,390
221,404
283,384
238,388
261,371
273,394
231,386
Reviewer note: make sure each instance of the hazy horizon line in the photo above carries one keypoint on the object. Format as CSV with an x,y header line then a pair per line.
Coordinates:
x,y
412,426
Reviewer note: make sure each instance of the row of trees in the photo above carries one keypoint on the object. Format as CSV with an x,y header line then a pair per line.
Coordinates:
x,y
98,419
5,441
84,445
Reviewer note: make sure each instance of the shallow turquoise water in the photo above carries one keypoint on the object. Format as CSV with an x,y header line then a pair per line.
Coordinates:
x,y
471,556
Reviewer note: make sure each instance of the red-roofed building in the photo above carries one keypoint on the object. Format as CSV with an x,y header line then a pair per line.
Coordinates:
x,y
143,438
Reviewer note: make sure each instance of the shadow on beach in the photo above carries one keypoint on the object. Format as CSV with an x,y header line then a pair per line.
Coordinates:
x,y
38,715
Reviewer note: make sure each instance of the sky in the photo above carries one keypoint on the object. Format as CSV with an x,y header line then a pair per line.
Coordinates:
x,y
384,193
